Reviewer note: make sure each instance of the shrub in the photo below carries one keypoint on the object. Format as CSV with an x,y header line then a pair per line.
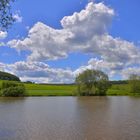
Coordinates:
x,y
12,89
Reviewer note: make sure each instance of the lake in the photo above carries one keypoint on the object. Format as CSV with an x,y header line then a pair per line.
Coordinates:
x,y
70,118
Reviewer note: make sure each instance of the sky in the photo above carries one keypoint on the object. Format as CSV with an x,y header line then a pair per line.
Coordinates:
x,y
54,41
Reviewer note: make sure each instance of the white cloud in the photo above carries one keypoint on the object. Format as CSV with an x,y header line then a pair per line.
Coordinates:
x,y
85,32
41,72
113,49
2,66
128,71
109,68
2,44
3,34
77,31
17,17
44,43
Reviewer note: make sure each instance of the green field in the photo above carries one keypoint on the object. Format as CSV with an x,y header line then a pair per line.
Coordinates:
x,y
70,90
119,90
50,90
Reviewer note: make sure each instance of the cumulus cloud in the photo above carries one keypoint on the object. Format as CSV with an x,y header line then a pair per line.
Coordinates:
x,y
41,72
44,43
84,32
77,31
109,68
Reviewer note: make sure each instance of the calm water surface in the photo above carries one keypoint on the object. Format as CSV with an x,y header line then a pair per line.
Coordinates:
x,y
70,118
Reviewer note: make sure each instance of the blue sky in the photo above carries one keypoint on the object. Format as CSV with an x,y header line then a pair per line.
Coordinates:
x,y
122,23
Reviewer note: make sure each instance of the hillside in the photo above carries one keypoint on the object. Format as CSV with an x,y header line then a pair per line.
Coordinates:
x,y
8,76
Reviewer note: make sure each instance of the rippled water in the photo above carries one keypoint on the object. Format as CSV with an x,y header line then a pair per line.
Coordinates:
x,y
70,118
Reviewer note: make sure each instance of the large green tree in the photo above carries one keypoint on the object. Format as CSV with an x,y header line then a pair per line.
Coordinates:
x,y
92,82
6,17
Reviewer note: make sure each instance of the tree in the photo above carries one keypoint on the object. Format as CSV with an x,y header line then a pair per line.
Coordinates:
x,y
92,82
12,89
134,82
6,17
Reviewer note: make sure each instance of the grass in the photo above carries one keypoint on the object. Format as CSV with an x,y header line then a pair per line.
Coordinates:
x,y
50,90
69,90
119,90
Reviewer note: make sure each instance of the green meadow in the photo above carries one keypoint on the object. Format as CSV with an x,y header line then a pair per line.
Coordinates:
x,y
50,90
119,90
70,90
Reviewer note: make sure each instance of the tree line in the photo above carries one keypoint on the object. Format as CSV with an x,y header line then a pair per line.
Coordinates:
x,y
96,82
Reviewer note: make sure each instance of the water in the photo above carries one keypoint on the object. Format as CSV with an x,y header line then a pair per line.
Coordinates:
x,y
70,118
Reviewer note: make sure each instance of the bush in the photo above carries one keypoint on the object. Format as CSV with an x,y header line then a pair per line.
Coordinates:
x,y
12,89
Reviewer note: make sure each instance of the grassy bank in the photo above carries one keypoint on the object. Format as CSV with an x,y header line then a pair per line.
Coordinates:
x,y
50,90
69,90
